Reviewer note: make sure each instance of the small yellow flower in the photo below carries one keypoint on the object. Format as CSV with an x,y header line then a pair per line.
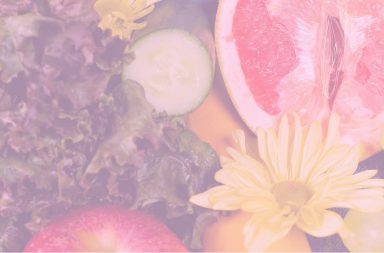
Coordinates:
x,y
120,15
300,173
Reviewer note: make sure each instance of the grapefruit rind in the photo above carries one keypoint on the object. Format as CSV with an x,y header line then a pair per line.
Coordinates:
x,y
233,75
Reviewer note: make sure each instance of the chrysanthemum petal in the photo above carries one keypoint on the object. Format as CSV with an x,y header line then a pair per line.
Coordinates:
x,y
297,149
143,12
320,191
152,1
368,205
309,216
224,160
103,7
205,199
331,160
239,137
229,203
262,141
348,165
283,147
236,155
137,4
136,26
236,178
330,223
254,192
376,192
246,163
259,233
312,149
259,204
201,199
272,154
225,199
332,136
309,166
353,179
376,182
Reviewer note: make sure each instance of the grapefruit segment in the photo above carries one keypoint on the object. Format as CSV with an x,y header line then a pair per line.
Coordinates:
x,y
258,60
311,57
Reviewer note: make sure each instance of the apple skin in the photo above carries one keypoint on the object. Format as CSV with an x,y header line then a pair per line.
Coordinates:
x,y
107,229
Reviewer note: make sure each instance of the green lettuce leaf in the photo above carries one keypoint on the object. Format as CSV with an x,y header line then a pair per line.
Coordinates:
x,y
16,42
15,7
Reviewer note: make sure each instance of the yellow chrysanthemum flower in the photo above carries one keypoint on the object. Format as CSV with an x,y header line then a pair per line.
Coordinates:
x,y
301,173
120,15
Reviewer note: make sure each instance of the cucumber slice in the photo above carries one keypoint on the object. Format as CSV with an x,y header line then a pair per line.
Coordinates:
x,y
174,68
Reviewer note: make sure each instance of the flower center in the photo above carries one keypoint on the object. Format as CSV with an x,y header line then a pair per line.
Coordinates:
x,y
118,19
292,194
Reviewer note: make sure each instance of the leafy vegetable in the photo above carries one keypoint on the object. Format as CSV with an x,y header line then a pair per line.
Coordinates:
x,y
105,159
14,7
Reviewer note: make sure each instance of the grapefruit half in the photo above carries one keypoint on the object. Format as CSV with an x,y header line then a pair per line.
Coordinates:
x,y
312,57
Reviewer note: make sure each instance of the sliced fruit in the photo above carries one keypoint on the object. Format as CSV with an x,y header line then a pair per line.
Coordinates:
x,y
174,68
311,57
364,232
108,229
226,235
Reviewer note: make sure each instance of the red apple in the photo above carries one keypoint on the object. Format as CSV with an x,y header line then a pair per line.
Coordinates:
x,y
108,229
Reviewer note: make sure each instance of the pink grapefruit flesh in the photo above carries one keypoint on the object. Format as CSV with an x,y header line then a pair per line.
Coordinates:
x,y
312,57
